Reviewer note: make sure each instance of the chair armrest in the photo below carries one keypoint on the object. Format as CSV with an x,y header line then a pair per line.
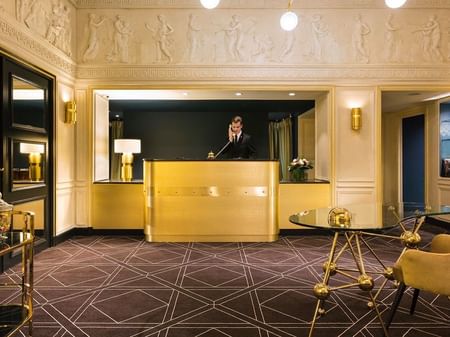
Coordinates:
x,y
424,270
441,244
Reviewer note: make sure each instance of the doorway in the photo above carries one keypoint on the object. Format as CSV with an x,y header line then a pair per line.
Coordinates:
x,y
27,150
413,159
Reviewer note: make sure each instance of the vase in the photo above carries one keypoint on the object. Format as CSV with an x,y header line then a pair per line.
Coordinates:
x,y
299,175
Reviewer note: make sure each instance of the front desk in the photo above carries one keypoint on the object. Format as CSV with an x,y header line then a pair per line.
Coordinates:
x,y
206,201
211,201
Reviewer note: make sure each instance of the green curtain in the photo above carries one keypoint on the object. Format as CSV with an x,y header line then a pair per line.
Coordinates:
x,y
280,144
116,126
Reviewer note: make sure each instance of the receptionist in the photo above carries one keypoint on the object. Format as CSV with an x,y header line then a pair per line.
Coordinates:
x,y
240,144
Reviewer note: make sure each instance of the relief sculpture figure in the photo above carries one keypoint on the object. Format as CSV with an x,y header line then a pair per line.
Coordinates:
x,y
265,46
288,45
122,32
161,36
56,23
92,49
320,31
32,19
193,38
391,39
234,38
431,39
360,31
22,7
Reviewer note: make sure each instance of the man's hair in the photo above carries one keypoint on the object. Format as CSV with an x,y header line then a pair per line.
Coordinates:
x,y
237,119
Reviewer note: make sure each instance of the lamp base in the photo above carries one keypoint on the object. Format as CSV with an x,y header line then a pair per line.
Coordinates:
x,y
34,168
126,171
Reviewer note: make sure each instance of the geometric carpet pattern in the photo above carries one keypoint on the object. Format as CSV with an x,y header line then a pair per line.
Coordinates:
x,y
122,286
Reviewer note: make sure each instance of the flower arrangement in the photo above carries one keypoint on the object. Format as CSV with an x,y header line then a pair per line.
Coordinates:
x,y
298,168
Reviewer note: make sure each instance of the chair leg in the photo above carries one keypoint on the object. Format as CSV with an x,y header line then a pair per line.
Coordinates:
x,y
414,301
395,304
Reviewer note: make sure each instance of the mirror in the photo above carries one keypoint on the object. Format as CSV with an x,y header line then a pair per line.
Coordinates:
x,y
28,163
28,105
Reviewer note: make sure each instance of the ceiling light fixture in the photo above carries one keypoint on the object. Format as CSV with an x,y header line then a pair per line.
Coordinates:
x,y
210,4
238,94
291,94
394,3
289,20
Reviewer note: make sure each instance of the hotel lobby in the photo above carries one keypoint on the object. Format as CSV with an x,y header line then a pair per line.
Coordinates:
x,y
114,114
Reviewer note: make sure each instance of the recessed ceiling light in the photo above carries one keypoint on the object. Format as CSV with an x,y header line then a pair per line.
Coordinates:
x,y
238,94
185,93
291,94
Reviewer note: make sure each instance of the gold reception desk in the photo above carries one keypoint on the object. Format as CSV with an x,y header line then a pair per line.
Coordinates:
x,y
211,201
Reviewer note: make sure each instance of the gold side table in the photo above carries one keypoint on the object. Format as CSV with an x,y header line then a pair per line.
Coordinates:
x,y
13,316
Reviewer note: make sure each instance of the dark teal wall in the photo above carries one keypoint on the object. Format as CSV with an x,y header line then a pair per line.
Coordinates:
x,y
190,129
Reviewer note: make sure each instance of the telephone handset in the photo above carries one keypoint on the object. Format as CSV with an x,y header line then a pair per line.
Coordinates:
x,y
231,134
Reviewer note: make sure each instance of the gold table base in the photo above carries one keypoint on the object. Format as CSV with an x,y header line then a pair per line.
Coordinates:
x,y
361,279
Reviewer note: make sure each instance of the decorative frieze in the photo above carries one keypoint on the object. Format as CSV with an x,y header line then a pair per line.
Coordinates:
x,y
318,74
30,44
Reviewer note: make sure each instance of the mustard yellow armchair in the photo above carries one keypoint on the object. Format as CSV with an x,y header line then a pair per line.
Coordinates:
x,y
428,271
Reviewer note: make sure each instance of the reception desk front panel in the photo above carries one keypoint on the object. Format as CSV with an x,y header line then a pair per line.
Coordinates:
x,y
211,200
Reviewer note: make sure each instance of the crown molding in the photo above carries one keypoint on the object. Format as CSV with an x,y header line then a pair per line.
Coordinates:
x,y
255,4
298,73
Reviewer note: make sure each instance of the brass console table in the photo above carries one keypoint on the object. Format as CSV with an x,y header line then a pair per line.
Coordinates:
x,y
354,223
13,316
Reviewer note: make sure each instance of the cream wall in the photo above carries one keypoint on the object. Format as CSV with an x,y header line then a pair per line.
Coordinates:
x,y
346,48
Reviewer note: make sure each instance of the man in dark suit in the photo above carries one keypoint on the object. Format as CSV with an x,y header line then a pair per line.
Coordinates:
x,y
240,145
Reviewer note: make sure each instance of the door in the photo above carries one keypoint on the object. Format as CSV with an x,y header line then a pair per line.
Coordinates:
x,y
26,132
413,159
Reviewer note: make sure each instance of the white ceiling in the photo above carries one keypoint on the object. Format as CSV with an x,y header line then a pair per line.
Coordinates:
x,y
209,94
391,100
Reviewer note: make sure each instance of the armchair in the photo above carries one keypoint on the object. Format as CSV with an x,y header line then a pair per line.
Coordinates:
x,y
422,270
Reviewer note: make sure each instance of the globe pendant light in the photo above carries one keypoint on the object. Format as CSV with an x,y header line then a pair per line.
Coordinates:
x,y
210,4
289,20
394,3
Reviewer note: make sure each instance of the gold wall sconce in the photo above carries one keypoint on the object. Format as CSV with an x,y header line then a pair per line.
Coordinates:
x,y
356,119
127,147
34,152
70,112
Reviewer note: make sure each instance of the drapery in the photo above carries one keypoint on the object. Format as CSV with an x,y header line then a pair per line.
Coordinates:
x,y
280,144
116,126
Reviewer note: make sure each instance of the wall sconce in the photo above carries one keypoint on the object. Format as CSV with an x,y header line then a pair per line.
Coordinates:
x,y
127,147
34,159
356,119
71,112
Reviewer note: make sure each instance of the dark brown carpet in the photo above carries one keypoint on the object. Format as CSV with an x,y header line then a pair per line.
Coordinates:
x,y
122,286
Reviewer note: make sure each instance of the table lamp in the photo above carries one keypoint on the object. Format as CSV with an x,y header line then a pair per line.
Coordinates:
x,y
127,147
34,159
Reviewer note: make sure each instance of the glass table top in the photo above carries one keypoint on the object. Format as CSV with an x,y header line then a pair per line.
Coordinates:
x,y
12,240
364,217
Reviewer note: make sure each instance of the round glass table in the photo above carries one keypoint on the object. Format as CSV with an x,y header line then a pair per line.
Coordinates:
x,y
354,223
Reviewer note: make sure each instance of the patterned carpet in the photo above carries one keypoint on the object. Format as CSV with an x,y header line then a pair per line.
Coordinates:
x,y
123,286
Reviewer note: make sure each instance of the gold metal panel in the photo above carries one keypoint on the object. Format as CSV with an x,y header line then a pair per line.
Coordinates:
x,y
211,201
118,206
299,197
